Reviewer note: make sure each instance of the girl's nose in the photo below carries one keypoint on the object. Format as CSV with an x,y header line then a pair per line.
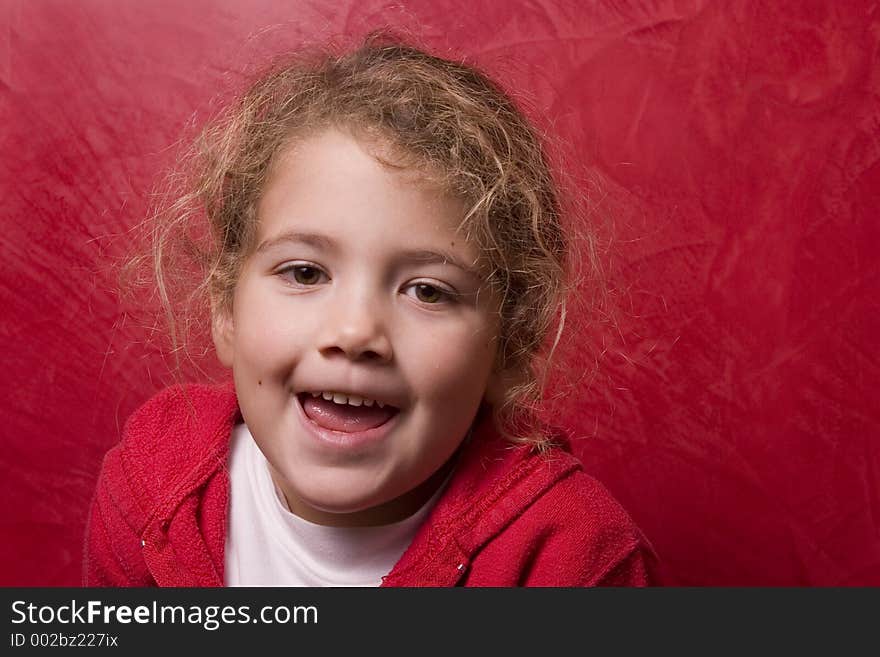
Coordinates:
x,y
357,329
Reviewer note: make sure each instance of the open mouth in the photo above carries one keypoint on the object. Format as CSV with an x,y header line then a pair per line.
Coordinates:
x,y
343,415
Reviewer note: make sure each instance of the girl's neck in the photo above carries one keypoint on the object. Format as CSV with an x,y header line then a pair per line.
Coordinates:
x,y
396,510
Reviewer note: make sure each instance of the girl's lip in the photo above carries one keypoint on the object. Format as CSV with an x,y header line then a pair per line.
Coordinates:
x,y
344,440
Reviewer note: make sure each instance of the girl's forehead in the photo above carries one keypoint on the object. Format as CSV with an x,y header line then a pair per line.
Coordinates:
x,y
331,140
337,183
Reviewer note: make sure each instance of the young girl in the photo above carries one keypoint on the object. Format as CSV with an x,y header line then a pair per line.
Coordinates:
x,y
386,264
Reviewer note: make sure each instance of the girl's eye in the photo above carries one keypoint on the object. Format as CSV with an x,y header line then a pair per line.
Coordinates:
x,y
431,294
303,274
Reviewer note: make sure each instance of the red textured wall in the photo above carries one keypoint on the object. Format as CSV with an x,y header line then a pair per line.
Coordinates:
x,y
735,412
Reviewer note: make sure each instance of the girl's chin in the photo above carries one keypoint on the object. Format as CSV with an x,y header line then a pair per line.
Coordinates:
x,y
367,510
331,509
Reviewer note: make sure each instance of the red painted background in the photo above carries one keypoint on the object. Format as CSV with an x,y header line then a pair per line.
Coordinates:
x,y
737,145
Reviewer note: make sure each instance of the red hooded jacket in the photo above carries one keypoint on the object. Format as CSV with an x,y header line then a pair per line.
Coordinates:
x,y
508,517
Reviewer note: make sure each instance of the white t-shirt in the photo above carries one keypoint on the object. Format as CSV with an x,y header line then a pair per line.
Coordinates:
x,y
267,545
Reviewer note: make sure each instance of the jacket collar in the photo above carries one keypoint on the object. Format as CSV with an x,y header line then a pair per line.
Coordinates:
x,y
493,483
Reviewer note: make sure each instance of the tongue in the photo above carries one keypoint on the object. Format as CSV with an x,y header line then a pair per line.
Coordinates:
x,y
342,417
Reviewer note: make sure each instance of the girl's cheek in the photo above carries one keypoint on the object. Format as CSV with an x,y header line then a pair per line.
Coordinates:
x,y
462,364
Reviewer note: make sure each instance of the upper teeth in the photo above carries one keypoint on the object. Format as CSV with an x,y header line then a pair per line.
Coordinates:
x,y
351,400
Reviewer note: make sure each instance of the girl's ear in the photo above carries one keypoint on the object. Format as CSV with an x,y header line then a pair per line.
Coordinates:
x,y
222,332
502,381
494,391
498,384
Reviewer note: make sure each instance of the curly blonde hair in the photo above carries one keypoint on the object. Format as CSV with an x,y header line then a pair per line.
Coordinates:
x,y
440,116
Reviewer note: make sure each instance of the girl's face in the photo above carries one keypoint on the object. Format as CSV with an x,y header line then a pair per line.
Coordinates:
x,y
358,287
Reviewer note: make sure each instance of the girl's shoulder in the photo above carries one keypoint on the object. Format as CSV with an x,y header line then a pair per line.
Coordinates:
x,y
553,490
586,530
511,516
180,418
173,447
176,439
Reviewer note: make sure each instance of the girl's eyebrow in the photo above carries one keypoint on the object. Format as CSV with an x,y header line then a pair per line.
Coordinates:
x,y
428,257
324,243
296,237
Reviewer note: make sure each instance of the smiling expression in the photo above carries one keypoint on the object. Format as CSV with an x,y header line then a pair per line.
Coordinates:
x,y
360,284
